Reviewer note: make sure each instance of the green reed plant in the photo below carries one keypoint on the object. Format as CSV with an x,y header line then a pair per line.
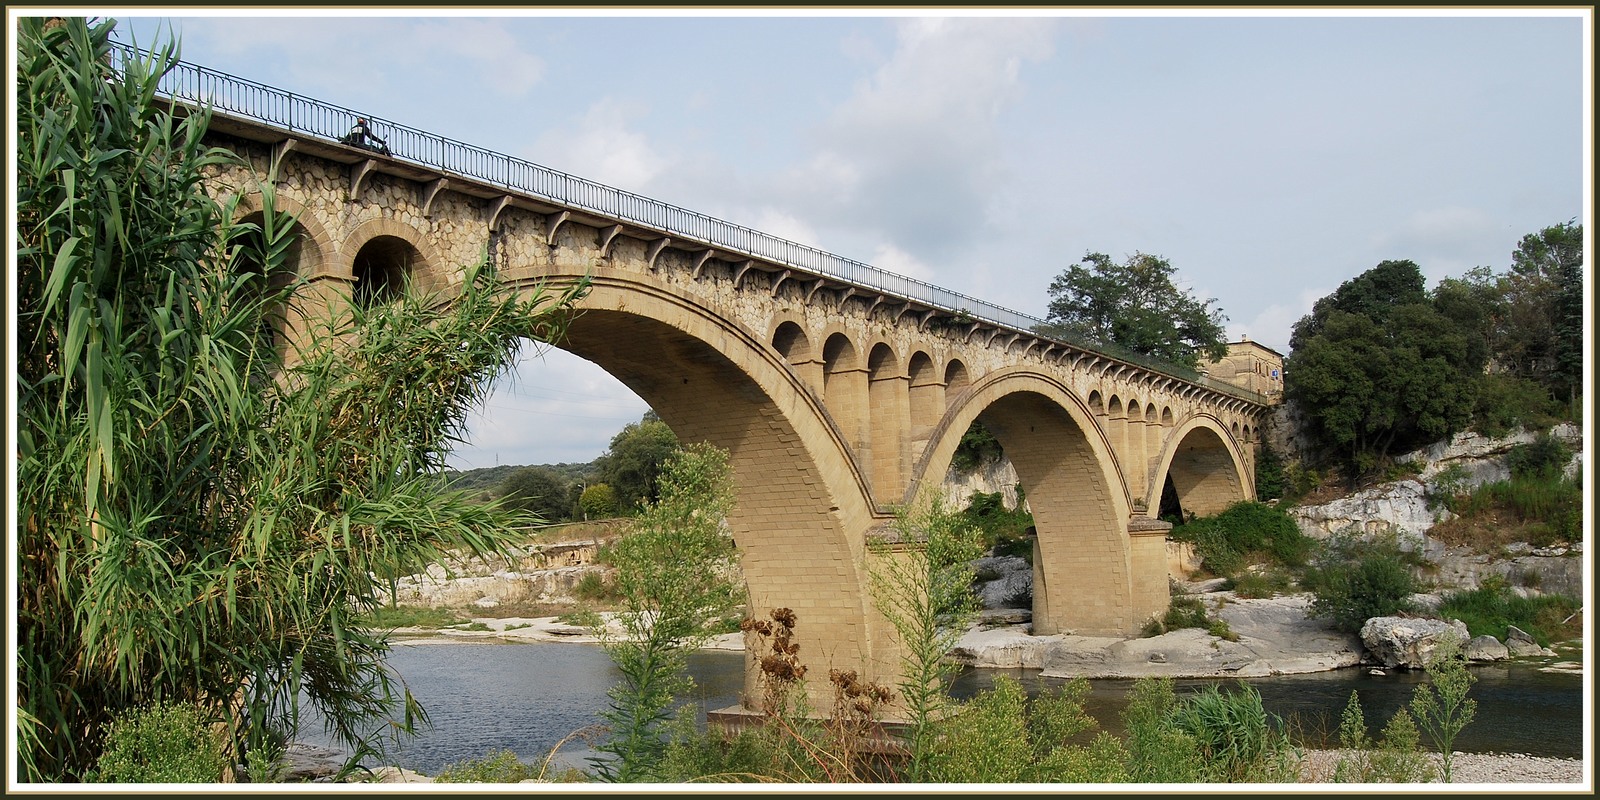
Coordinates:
x,y
204,516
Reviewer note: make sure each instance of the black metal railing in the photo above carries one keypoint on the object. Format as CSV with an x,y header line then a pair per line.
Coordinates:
x,y
302,116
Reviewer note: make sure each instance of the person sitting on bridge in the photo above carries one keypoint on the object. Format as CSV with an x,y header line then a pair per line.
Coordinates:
x,y
362,136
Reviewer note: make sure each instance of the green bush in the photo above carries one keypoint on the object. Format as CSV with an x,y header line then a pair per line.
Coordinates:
x,y
1544,456
1005,530
978,447
1490,608
1002,736
1185,611
1245,532
163,743
501,766
1506,402
592,587
1263,584
1358,579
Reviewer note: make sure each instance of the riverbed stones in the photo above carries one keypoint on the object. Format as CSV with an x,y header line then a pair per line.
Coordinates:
x,y
1486,648
1522,644
1408,642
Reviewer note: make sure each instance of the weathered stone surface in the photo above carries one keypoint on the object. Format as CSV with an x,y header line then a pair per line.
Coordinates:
x,y
1407,642
1486,648
1003,648
1011,585
1401,506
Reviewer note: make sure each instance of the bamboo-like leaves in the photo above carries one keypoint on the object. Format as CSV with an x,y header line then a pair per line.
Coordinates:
x,y
201,519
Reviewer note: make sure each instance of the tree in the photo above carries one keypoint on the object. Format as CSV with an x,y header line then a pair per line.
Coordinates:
x,y
1373,376
538,490
1372,294
633,461
200,521
673,572
1539,331
1135,305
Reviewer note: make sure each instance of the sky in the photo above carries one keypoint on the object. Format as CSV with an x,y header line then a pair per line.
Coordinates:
x,y
1269,156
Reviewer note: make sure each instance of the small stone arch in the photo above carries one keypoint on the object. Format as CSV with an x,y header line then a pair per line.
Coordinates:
x,y
791,342
392,250
844,389
956,379
889,416
1097,404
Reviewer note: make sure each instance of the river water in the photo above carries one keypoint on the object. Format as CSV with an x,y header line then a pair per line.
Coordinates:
x,y
527,698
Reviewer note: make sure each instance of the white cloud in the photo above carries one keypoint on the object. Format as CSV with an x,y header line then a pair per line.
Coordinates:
x,y
554,408
604,146
1272,325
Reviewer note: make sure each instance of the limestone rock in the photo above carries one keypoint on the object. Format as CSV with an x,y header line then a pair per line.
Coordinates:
x,y
1486,648
1522,644
1407,642
1401,506
1002,648
1011,584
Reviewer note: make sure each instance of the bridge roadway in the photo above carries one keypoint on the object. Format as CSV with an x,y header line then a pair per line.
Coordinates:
x,y
839,392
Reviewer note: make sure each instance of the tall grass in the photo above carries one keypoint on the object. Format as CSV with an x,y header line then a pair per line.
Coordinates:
x,y
203,517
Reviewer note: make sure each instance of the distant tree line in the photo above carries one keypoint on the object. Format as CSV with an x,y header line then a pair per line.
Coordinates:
x,y
618,483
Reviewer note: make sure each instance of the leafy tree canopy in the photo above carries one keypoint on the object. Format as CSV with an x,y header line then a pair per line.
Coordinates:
x,y
634,460
1372,294
539,490
1135,305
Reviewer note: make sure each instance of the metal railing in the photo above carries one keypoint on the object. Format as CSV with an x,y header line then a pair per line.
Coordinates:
x,y
298,115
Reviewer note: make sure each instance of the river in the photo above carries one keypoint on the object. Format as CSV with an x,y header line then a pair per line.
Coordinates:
x,y
527,698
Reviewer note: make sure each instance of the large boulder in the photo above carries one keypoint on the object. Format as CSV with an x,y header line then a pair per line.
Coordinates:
x,y
1487,648
1408,642
1004,582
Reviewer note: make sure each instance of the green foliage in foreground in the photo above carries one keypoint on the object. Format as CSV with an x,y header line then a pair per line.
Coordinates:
x,y
922,584
1396,758
1002,736
501,766
205,507
1441,707
672,576
162,743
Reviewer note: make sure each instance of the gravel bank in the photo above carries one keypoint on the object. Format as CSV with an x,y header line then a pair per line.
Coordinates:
x,y
1477,768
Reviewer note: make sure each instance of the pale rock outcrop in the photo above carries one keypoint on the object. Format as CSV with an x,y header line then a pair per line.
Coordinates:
x,y
1522,644
1400,506
1408,642
1486,648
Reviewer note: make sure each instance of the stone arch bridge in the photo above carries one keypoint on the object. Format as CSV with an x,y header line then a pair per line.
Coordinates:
x,y
838,390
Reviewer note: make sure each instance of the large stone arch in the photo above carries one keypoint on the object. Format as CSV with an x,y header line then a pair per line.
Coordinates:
x,y
1205,464
1085,566
802,505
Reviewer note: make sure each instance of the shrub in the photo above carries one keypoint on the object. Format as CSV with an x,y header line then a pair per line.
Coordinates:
x,y
1262,584
501,766
1246,531
162,743
978,447
1185,611
1397,759
1359,579
592,587
1544,456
